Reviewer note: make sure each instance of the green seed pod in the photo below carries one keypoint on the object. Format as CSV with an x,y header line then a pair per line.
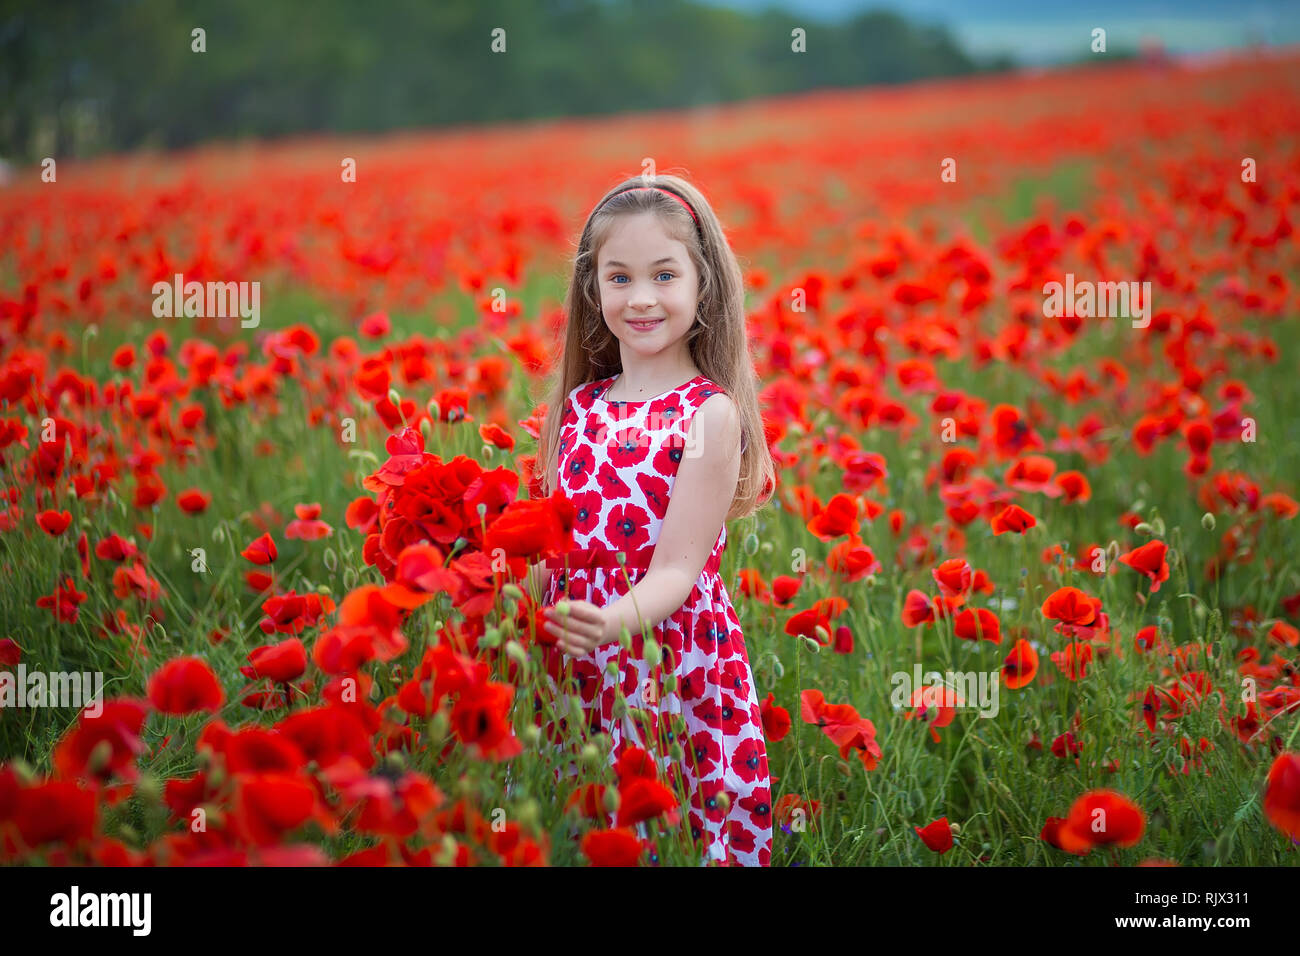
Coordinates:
x,y
515,651
529,815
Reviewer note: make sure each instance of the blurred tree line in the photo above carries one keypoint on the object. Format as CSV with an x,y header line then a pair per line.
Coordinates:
x,y
80,77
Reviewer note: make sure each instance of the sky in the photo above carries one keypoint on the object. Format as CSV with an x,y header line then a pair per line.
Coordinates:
x,y
1052,30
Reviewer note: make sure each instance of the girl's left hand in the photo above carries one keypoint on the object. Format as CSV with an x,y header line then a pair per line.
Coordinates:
x,y
579,632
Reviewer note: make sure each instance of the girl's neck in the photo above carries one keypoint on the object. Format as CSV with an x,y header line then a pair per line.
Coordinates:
x,y
634,389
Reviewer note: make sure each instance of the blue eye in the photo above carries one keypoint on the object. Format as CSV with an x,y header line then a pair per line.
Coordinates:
x,y
665,272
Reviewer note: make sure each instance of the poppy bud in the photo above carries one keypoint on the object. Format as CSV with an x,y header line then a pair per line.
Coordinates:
x,y
625,638
1143,527
99,757
590,755
439,725
675,751
824,634
532,735
516,653
812,645
561,607
611,667
766,547
723,801
1207,521
751,543
670,683
446,854
149,788
955,828
395,398
528,815
426,429
611,799
653,655
512,591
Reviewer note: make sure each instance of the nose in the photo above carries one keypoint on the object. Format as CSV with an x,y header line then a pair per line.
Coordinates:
x,y
642,297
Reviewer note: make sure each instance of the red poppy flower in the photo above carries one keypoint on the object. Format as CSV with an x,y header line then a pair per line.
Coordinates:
x,y
618,847
114,548
283,662
776,719
193,501
1012,518
841,723
268,806
1101,818
54,523
52,812
937,835
1074,485
532,528
644,799
975,624
185,685
917,609
79,753
839,517
64,603
261,551
954,578
1020,666
1149,559
1071,606
1282,794
307,525
1074,660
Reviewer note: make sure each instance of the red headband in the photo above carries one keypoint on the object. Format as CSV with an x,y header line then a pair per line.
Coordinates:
x,y
666,193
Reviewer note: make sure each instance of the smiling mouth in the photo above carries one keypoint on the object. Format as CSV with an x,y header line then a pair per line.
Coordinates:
x,y
644,324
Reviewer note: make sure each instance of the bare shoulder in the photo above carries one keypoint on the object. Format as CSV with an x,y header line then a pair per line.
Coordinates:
x,y
718,416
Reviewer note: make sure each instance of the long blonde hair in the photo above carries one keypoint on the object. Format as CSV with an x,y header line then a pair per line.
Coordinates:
x,y
718,342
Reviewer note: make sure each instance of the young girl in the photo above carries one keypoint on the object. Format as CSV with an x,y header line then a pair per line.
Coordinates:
x,y
653,432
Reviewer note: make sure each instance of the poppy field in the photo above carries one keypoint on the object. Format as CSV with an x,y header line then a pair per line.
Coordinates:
x,y
268,426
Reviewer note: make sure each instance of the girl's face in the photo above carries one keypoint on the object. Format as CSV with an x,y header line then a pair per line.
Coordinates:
x,y
643,274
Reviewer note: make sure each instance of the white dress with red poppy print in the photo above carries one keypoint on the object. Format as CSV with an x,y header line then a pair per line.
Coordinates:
x,y
617,463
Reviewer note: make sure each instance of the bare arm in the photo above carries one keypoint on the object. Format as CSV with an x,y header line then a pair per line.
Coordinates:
x,y
538,574
702,495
